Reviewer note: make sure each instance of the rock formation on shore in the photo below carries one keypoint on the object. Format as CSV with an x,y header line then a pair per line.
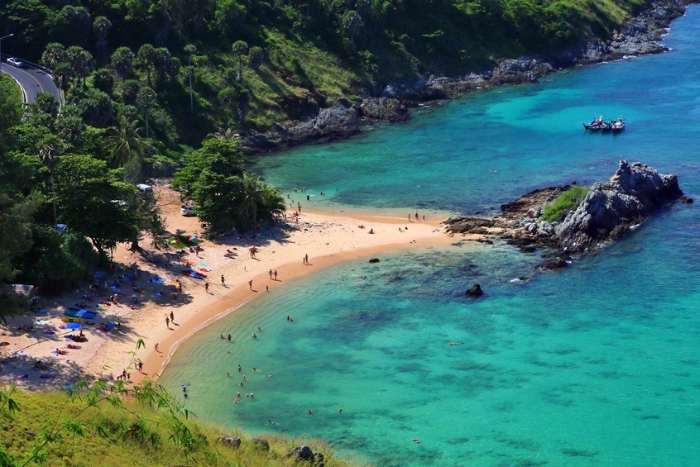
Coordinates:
x,y
314,120
609,211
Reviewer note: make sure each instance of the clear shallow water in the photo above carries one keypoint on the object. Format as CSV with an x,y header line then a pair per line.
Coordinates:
x,y
595,366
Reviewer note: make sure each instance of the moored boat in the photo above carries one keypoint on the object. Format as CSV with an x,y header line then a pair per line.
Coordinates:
x,y
599,125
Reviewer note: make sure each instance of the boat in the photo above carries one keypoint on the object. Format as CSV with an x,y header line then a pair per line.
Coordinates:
x,y
618,125
599,125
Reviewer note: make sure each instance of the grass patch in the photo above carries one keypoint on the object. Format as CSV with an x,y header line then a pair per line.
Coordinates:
x,y
566,201
133,435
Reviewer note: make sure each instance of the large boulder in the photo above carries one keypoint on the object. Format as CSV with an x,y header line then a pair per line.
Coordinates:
x,y
384,108
231,441
261,444
520,70
475,291
610,208
301,453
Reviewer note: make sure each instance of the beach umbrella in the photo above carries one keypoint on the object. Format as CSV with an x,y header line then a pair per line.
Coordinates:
x,y
73,326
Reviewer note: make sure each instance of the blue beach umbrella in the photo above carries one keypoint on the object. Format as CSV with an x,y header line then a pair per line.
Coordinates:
x,y
73,326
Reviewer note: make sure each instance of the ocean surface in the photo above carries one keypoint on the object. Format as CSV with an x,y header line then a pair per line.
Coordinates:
x,y
596,365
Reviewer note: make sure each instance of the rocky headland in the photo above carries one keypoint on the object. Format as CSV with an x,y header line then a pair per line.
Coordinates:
x,y
318,122
610,210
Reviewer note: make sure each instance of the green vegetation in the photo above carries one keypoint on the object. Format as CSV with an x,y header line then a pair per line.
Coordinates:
x,y
61,165
145,81
184,68
564,203
121,425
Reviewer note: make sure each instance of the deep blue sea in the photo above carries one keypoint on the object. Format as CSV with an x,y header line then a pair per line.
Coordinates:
x,y
597,365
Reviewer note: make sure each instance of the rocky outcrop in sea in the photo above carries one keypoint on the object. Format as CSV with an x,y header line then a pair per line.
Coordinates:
x,y
610,210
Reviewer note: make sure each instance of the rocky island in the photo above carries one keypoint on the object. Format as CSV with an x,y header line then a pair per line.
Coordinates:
x,y
609,210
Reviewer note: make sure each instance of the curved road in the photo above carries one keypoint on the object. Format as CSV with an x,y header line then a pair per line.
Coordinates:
x,y
32,81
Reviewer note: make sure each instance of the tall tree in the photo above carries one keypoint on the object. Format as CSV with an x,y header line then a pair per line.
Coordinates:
x,y
124,143
145,100
50,152
240,49
122,61
256,55
211,177
86,190
100,28
259,201
147,57
81,61
190,50
54,54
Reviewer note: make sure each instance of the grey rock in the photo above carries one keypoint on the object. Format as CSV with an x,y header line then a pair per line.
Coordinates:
x,y
301,453
385,109
475,291
261,443
231,441
520,70
610,208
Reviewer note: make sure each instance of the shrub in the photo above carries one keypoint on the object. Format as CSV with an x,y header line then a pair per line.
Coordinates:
x,y
565,202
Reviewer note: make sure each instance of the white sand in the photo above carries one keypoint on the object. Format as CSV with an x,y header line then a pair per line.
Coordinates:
x,y
326,237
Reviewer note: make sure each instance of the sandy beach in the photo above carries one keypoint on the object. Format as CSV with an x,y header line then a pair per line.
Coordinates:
x,y
109,347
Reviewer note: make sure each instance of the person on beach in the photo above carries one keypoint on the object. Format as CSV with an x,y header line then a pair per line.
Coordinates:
x,y
206,287
156,347
299,207
267,288
288,317
229,337
172,317
223,281
275,274
239,368
167,322
416,216
270,274
250,284
409,217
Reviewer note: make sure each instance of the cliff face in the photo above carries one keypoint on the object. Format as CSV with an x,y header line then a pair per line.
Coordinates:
x,y
610,208
609,211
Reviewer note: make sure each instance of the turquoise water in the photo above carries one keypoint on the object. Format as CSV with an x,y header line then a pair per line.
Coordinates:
x,y
597,365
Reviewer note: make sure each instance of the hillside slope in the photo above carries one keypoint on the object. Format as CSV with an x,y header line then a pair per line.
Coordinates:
x,y
294,57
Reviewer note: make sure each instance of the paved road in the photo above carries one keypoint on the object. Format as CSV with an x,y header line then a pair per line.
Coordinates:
x,y
32,81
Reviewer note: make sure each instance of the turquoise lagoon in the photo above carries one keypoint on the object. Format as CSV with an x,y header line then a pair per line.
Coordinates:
x,y
598,365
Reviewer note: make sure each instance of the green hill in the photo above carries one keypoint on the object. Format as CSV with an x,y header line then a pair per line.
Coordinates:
x,y
299,54
140,427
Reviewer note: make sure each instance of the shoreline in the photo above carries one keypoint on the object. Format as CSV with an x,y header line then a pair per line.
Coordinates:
x,y
232,302
327,237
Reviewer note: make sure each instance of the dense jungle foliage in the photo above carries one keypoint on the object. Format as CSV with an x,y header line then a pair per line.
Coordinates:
x,y
254,62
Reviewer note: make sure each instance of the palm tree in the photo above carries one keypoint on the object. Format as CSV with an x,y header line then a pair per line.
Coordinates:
x,y
251,197
50,151
124,143
240,49
258,198
226,135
